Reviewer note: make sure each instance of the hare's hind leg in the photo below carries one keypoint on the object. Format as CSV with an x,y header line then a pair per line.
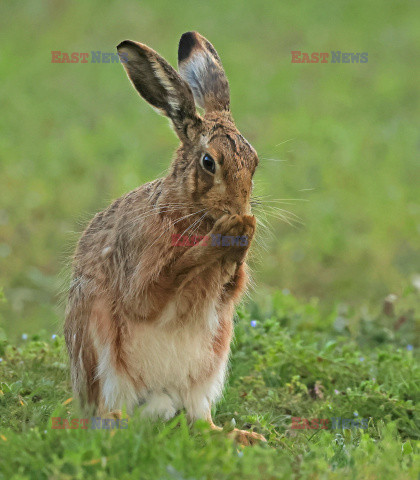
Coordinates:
x,y
119,379
244,437
198,405
99,363
81,349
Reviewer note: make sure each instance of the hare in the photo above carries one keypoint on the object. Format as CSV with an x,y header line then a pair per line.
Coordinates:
x,y
149,322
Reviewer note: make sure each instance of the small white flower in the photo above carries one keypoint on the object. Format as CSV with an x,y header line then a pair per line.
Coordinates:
x,y
54,336
416,282
24,336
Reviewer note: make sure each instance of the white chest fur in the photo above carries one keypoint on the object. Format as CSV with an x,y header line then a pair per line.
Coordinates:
x,y
176,363
171,356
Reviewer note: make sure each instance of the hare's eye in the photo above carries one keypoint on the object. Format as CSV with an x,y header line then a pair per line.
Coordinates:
x,y
208,163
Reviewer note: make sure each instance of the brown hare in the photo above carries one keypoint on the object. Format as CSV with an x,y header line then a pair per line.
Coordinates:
x,y
149,322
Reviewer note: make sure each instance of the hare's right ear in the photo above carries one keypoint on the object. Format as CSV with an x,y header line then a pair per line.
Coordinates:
x,y
200,65
161,85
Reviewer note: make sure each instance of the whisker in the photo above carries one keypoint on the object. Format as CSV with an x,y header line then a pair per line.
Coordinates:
x,y
273,159
266,198
161,210
157,207
290,221
190,227
174,223
286,212
280,217
282,143
198,226
156,212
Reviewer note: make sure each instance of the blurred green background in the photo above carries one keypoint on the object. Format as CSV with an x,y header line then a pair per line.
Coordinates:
x,y
343,139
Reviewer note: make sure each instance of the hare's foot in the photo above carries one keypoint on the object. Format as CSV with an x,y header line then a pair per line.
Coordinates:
x,y
244,437
114,415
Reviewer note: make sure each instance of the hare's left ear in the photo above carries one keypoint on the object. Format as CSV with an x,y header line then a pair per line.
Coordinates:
x,y
200,65
161,85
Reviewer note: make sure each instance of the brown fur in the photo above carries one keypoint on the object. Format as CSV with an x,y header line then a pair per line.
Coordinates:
x,y
125,270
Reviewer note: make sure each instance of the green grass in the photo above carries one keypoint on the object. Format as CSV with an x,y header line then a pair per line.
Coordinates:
x,y
295,362
75,136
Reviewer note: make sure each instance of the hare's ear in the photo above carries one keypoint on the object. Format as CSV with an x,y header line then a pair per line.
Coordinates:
x,y
200,65
160,85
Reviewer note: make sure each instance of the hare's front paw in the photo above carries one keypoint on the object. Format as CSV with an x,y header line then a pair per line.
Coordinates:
x,y
235,225
232,235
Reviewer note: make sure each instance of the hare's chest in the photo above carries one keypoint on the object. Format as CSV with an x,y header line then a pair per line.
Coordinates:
x,y
170,354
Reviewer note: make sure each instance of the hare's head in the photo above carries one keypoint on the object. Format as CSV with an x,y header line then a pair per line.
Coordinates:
x,y
214,164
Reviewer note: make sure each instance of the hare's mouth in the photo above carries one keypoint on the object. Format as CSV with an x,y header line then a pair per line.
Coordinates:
x,y
217,213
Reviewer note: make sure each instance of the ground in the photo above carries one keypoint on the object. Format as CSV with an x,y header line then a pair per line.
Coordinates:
x,y
289,361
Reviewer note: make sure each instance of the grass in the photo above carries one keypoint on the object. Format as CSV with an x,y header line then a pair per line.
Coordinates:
x,y
341,138
288,360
